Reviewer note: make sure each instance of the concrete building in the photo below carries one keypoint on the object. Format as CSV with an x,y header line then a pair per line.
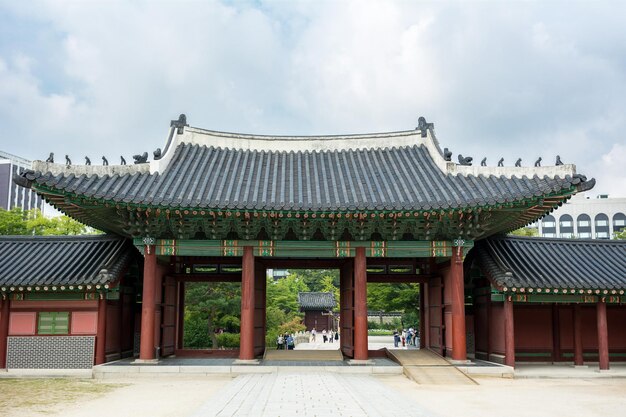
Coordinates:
x,y
585,218
12,195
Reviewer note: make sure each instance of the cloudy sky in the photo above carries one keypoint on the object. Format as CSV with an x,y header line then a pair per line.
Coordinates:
x,y
506,79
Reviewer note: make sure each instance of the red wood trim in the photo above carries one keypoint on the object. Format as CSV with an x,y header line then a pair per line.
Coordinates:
x,y
54,305
603,336
4,330
148,304
207,277
100,356
556,334
509,333
459,343
246,349
360,304
578,337
403,278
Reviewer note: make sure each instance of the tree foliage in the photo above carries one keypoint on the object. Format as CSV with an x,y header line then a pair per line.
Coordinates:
x,y
525,231
32,222
210,306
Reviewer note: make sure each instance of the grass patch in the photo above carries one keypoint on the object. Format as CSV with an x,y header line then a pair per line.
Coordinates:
x,y
41,395
379,332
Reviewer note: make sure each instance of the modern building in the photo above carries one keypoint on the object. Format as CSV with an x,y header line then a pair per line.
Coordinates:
x,y
583,217
12,195
387,208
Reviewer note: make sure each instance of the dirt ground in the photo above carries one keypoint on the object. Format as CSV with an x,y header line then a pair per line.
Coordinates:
x,y
169,397
497,397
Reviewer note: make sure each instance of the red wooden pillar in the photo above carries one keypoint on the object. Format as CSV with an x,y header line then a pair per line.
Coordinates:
x,y
148,304
578,337
509,333
180,320
603,336
246,349
101,331
4,330
459,344
422,317
360,305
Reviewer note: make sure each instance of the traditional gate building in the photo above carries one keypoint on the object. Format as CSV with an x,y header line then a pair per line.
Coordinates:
x,y
388,207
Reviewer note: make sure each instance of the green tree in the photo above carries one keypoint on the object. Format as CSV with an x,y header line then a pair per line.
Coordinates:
x,y
209,306
620,235
32,222
283,294
12,222
328,285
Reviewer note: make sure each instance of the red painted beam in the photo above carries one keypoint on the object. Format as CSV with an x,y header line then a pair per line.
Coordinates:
x,y
207,277
603,336
101,331
578,337
509,333
148,306
360,305
304,263
402,278
459,344
246,350
4,330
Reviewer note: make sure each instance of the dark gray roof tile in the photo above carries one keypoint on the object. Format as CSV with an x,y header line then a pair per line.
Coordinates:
x,y
554,263
316,300
62,260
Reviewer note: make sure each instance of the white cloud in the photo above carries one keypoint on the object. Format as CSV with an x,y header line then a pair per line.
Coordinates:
x,y
514,80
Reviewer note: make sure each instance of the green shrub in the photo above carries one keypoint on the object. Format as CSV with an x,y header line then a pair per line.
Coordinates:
x,y
228,340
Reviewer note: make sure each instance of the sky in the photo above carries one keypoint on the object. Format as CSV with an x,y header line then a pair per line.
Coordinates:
x,y
504,79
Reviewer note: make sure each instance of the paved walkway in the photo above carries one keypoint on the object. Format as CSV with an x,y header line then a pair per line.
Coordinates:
x,y
308,395
426,367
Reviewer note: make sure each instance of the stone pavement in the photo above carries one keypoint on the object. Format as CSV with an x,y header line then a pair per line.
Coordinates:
x,y
308,395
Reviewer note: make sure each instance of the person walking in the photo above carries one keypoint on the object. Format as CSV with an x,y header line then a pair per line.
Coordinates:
x,y
313,334
280,342
324,335
331,335
290,343
396,338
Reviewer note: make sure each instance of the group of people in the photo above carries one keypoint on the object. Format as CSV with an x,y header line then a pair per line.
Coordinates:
x,y
407,337
285,342
326,336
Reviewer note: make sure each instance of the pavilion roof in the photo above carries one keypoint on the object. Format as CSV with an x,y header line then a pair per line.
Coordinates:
x,y
207,171
316,300
523,263
28,261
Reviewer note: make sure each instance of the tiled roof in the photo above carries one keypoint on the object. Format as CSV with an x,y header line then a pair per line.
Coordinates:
x,y
397,178
316,300
62,260
565,264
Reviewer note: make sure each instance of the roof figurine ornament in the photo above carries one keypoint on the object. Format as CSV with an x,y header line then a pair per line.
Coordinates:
x,y
105,161
447,155
466,161
501,162
122,160
423,126
141,159
179,124
313,180
68,161
87,161
558,161
157,154
50,158
483,163
518,163
538,162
